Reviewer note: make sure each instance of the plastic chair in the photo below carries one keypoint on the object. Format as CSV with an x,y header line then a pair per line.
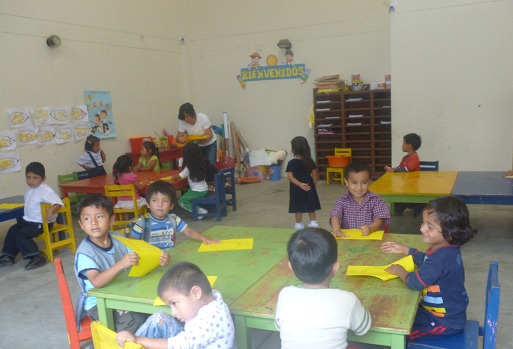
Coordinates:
x,y
75,336
218,197
62,234
338,171
115,191
105,338
74,199
468,338
429,165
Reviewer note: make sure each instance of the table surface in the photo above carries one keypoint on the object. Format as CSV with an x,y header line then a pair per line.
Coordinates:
x,y
436,183
13,212
484,187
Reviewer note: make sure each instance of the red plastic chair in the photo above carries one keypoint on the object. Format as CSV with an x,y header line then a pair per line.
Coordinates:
x,y
74,336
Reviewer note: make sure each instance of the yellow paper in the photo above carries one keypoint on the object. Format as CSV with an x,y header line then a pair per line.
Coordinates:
x,y
10,206
379,271
149,256
356,234
228,245
211,280
195,138
168,178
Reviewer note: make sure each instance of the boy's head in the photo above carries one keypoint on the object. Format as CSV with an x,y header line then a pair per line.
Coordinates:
x,y
184,288
96,215
413,140
34,174
104,114
357,176
313,254
161,197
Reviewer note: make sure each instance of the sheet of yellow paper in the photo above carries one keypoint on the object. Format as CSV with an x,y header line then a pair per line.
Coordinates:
x,y
379,271
195,138
211,280
228,245
10,206
356,234
149,256
168,178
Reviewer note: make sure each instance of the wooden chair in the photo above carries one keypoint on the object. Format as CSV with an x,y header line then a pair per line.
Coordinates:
x,y
61,234
429,165
105,338
468,338
338,171
114,192
74,199
75,336
218,197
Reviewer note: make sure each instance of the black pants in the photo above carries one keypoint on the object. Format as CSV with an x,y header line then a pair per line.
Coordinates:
x,y
19,239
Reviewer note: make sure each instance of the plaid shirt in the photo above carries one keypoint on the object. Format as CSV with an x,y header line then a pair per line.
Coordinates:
x,y
353,216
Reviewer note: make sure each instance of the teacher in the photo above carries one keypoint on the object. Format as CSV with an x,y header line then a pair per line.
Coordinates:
x,y
192,124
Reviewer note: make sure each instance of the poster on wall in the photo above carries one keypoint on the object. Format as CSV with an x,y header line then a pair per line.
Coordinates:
x,y
99,110
9,162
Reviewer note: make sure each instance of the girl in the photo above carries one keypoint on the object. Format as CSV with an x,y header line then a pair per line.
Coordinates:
x,y
302,173
93,158
122,174
440,274
149,160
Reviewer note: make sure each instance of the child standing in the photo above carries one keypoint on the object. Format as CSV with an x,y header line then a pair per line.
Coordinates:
x,y
93,158
313,258
149,159
122,174
359,208
19,237
208,322
302,174
410,162
440,276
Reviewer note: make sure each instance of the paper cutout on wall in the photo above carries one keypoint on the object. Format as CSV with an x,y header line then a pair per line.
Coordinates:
x,y
64,134
81,131
27,135
46,135
9,162
379,271
20,117
7,140
79,114
41,115
58,115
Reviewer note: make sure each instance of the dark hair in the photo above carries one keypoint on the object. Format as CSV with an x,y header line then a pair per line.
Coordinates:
x,y
289,52
122,165
152,148
357,167
186,108
312,254
195,162
104,111
300,146
181,277
36,168
454,219
96,200
90,142
162,187
413,139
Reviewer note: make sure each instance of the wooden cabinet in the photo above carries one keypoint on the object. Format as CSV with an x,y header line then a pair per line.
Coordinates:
x,y
360,120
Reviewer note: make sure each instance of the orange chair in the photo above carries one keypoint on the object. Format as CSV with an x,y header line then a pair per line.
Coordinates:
x,y
75,336
338,171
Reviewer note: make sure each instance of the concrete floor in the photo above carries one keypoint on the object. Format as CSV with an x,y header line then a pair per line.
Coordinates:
x,y
31,313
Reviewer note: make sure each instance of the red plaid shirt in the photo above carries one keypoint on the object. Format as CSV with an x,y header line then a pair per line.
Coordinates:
x,y
353,216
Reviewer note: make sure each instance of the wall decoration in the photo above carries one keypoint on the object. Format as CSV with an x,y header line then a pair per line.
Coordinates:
x,y
27,135
7,140
9,162
41,115
64,134
20,117
46,135
79,113
81,131
99,110
59,115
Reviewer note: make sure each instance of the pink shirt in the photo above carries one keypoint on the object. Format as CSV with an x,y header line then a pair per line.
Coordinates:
x,y
128,178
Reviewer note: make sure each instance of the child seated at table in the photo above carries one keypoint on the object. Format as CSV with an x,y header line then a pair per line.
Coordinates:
x,y
187,291
149,159
440,274
100,258
159,227
313,256
359,208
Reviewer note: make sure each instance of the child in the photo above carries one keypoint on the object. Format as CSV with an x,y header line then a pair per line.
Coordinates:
x,y
19,237
208,322
122,174
313,258
149,159
303,175
360,208
159,227
100,258
440,276
411,162
93,158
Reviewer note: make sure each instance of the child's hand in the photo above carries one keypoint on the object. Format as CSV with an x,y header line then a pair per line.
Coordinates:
x,y
208,241
396,269
164,259
339,232
125,336
389,169
394,247
49,215
304,186
365,230
130,259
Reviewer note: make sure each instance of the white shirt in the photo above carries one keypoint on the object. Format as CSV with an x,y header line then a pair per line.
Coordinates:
x,y
198,129
194,186
85,159
33,199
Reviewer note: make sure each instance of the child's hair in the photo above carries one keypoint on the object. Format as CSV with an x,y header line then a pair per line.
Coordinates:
x,y
357,167
454,219
97,116
300,146
186,108
312,254
90,142
413,139
162,187
122,165
181,277
36,168
104,112
195,162
96,200
152,149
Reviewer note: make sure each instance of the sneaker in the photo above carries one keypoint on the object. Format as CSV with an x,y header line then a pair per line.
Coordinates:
x,y
201,210
313,224
298,226
36,262
5,261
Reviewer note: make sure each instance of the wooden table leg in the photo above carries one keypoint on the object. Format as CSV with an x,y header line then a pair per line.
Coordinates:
x,y
242,335
105,315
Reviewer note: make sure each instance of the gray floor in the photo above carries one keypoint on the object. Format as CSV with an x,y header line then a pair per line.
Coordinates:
x,y
31,313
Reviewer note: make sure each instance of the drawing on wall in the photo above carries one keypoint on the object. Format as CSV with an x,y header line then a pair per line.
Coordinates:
x,y
20,117
99,110
59,115
41,115
9,162
46,135
63,134
7,140
27,135
79,113
81,131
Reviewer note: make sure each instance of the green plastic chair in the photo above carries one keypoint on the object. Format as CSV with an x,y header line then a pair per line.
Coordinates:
x,y
166,166
67,178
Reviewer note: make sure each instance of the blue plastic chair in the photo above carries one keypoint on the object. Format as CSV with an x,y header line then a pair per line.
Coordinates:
x,y
429,165
468,338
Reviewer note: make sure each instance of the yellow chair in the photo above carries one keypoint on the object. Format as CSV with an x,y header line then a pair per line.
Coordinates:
x,y
104,338
61,235
338,171
115,191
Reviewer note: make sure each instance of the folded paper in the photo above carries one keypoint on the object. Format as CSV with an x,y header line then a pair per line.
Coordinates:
x,y
356,234
228,245
379,271
149,256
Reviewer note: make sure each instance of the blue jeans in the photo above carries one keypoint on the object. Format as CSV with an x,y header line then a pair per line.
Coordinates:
x,y
210,152
160,325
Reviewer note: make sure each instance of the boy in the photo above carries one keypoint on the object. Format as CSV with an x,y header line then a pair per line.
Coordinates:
x,y
313,258
19,237
159,227
410,162
359,208
208,322
100,258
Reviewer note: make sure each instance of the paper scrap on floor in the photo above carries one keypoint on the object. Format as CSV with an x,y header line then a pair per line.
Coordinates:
x,y
379,271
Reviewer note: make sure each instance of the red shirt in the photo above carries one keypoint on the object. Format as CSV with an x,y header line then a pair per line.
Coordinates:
x,y
410,163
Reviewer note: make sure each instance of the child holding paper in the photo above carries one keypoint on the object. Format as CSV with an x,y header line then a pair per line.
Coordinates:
x,y
440,276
